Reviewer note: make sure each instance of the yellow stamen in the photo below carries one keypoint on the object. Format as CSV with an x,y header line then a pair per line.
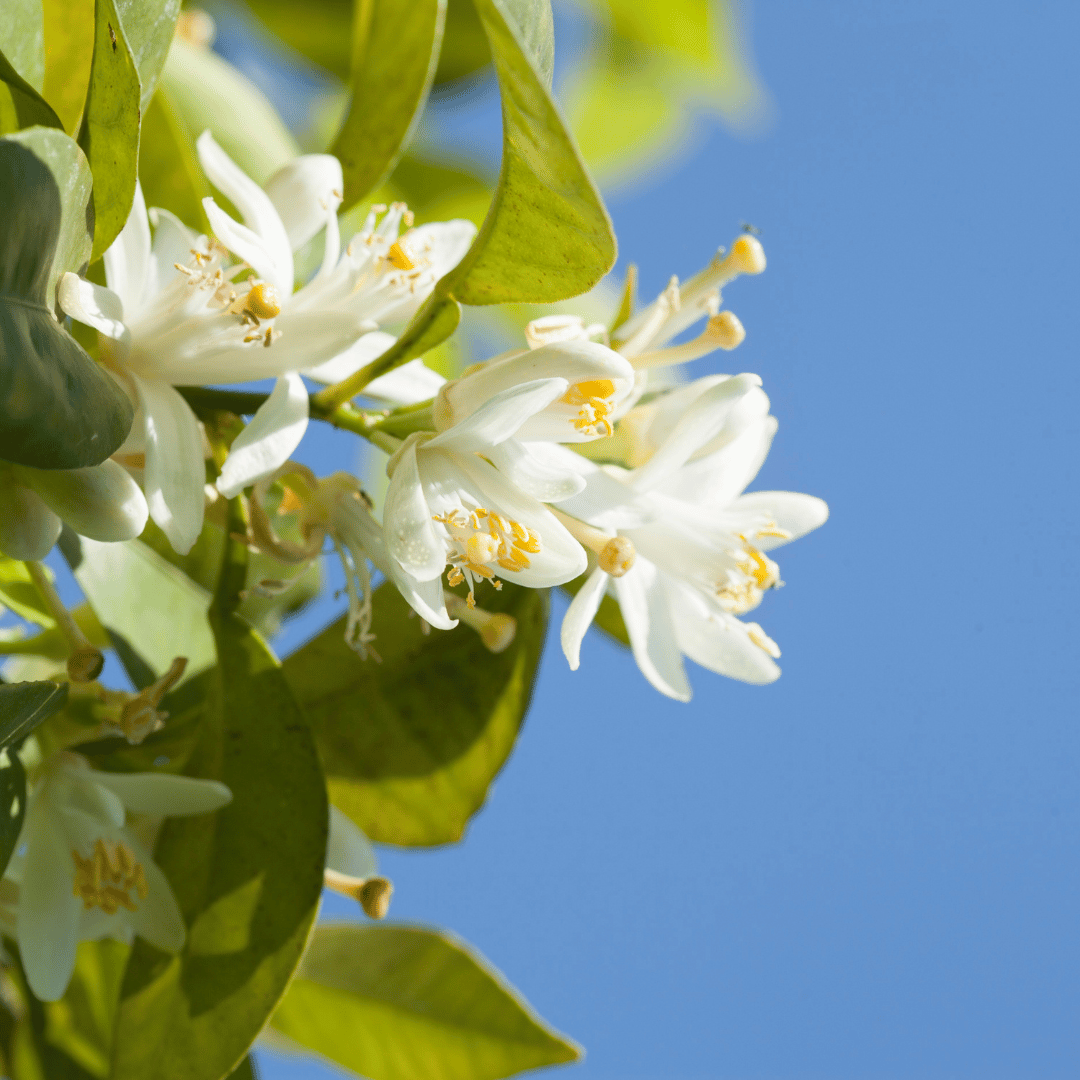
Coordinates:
x,y
108,876
398,258
263,301
593,396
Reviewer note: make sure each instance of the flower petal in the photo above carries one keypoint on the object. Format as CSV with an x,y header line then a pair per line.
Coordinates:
x,y
269,439
643,602
580,614
792,511
500,416
157,917
164,793
355,357
127,260
303,191
48,908
173,243
175,473
407,525
527,466
28,528
426,598
93,305
273,250
348,850
101,501
715,480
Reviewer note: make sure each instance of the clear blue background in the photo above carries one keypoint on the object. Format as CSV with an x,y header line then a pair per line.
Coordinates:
x,y
868,869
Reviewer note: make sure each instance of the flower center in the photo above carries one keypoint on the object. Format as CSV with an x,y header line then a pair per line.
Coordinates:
x,y
108,876
593,397
398,258
759,573
480,538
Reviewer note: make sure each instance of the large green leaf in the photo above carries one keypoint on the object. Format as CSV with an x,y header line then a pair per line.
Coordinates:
x,y
25,705
58,409
110,127
401,1002
411,745
12,803
22,39
206,92
69,51
169,168
148,27
248,879
395,50
21,106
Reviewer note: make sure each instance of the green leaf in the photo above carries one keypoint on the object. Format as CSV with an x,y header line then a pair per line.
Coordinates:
x,y
110,128
150,610
169,168
148,27
323,35
25,705
547,235
395,50
22,39
411,745
438,191
245,1070
400,1002
21,106
58,409
207,92
19,594
12,800
465,48
248,880
69,51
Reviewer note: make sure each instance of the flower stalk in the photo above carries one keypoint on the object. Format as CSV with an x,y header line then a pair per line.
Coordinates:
x,y
85,660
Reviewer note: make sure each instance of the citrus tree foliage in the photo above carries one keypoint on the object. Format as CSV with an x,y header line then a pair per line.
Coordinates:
x,y
174,795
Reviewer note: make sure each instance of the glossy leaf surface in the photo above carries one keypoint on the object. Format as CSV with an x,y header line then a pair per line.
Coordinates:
x,y
399,1002
411,745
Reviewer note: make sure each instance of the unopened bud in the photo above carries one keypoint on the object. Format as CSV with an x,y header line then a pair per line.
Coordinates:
x,y
617,556
374,896
725,330
85,664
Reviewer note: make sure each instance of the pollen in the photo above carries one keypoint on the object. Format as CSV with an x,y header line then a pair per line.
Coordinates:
x,y
481,537
594,398
747,256
108,877
263,301
398,258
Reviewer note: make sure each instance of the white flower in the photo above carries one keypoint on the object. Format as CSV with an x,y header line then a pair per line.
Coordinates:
x,y
446,505
84,875
700,542
100,501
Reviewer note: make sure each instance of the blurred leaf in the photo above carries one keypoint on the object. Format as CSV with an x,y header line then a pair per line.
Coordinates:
x,y
395,50
245,1070
248,879
58,409
110,127
25,705
438,191
169,168
207,92
51,643
12,798
69,50
323,34
465,47
22,39
151,612
411,745
547,235
21,106
628,299
20,594
80,1024
148,27
400,1002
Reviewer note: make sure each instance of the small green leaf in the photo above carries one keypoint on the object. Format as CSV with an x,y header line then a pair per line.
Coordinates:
x,y
151,611
21,106
411,745
22,39
12,798
25,705
168,165
248,880
395,50
148,27
401,1002
208,93
110,128
58,409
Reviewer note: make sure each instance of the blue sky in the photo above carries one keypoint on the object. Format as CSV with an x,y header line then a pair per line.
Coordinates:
x,y
868,869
